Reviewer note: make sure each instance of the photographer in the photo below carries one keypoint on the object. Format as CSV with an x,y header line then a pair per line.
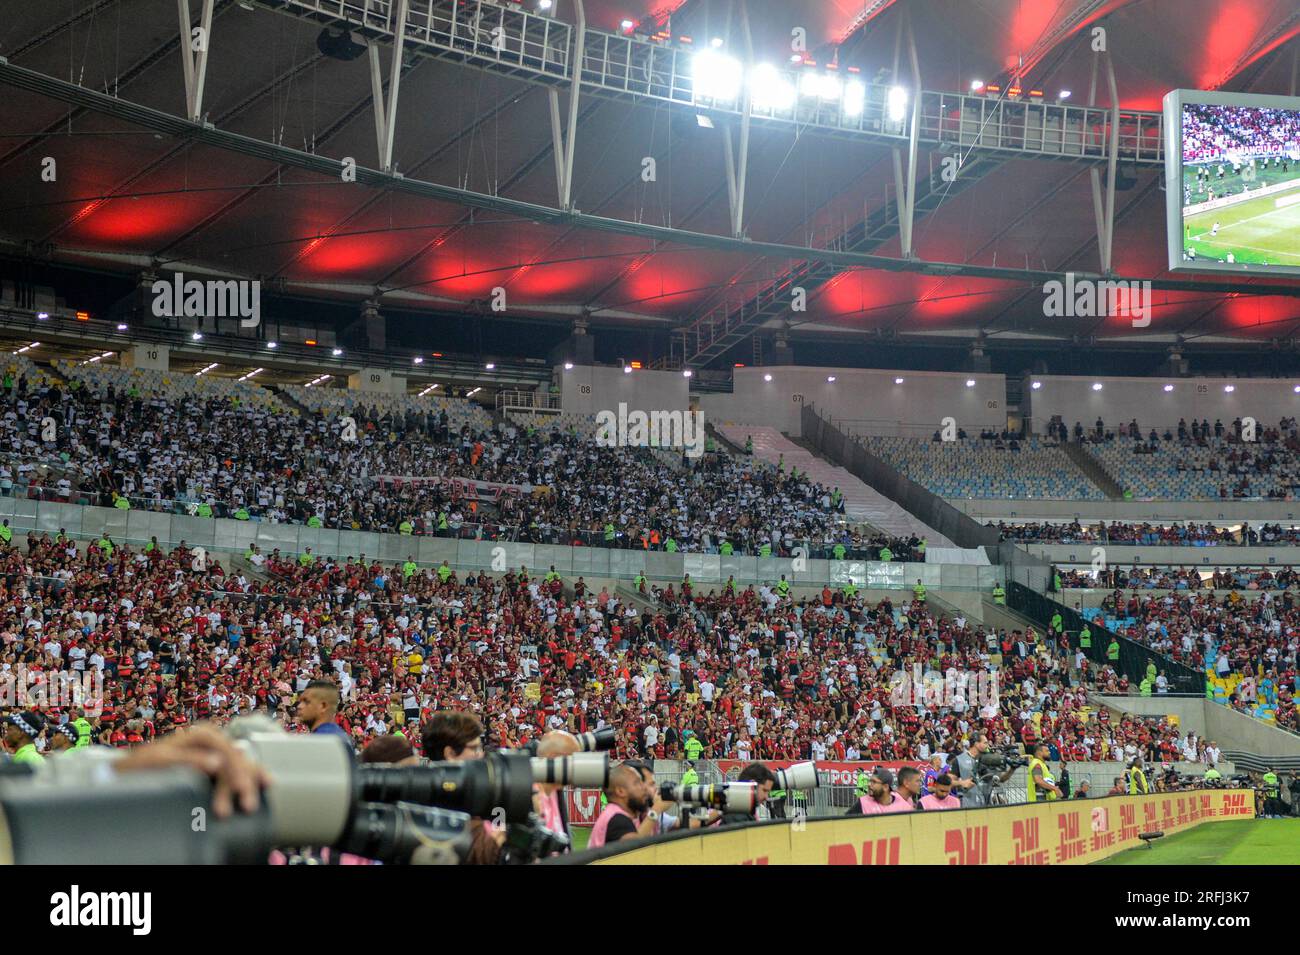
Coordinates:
x,y
973,786
453,736
764,781
627,800
549,800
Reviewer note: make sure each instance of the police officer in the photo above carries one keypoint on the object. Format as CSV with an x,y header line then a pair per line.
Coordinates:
x,y
1272,805
690,777
1040,781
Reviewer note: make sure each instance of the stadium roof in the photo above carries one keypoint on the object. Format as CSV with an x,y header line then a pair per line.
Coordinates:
x,y
98,86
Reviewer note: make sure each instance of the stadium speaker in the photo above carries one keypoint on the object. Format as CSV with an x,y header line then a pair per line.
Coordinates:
x,y
1124,181
336,42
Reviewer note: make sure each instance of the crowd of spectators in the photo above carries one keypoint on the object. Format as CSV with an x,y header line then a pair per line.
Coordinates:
x,y
1218,133
748,673
1118,532
1183,578
1247,647
218,456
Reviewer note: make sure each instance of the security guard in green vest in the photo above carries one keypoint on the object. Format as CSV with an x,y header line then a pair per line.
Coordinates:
x,y
1085,638
918,592
205,510
693,746
609,533
670,545
1213,776
765,550
409,568
1056,581
726,550
1272,805
690,777
836,497
639,582
106,546
839,552
850,590
406,527
121,502
84,729
442,521
241,513
1039,779
1055,625
1137,779
307,558
444,572
862,783
1144,688
783,586
749,444
999,595
920,549
886,555
1112,651
6,532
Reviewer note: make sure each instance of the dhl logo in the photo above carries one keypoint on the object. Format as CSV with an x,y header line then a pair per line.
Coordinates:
x,y
877,852
969,846
1234,804
1071,846
1024,833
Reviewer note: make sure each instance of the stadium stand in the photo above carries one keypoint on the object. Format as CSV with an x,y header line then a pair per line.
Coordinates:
x,y
1013,468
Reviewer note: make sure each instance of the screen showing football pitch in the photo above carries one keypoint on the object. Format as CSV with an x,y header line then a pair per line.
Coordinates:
x,y
1233,182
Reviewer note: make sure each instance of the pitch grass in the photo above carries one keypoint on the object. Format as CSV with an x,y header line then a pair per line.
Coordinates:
x,y
1254,231
1238,842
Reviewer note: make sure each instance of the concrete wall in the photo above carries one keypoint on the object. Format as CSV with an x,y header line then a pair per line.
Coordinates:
x,y
1228,728
379,380
589,389
866,401
1123,399
1189,710
1133,512
1236,731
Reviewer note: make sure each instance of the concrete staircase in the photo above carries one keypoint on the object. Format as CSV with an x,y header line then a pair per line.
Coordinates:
x,y
862,503
1093,470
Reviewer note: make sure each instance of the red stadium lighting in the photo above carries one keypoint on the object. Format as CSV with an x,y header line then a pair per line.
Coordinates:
x,y
739,365
635,364
83,316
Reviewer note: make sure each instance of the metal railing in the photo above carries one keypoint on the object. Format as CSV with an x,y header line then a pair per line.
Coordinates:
x,y
538,47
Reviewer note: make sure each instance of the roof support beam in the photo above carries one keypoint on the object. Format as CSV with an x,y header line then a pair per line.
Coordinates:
x,y
386,108
738,166
905,188
1106,215
195,43
571,139
147,117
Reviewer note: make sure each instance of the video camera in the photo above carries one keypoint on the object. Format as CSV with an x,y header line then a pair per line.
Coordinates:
x,y
729,797
998,761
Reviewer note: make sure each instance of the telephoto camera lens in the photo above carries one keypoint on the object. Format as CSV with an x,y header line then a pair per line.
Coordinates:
x,y
479,787
798,776
583,769
602,739
729,797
